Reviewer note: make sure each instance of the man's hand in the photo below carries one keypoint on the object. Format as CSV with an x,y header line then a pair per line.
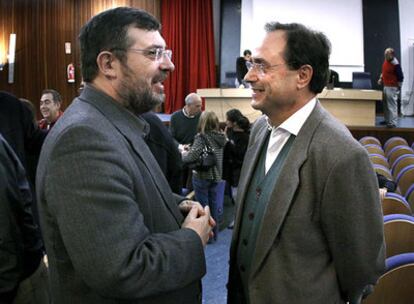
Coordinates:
x,y
186,205
202,224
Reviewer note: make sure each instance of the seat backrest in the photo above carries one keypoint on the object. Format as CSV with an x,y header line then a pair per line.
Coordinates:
x,y
401,162
396,152
395,286
394,141
383,171
379,160
399,234
374,148
409,196
394,203
405,179
369,140
361,80
221,186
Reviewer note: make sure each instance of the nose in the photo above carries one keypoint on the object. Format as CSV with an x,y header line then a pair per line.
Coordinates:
x,y
251,76
167,64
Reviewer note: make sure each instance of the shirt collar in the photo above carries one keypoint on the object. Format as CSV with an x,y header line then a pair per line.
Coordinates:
x,y
295,122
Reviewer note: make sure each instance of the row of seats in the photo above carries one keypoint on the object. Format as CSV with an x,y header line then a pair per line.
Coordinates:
x,y
394,286
395,161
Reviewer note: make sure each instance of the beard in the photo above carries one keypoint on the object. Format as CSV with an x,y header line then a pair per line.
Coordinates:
x,y
137,95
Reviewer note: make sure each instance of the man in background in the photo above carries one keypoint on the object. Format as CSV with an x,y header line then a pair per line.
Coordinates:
x,y
392,78
183,127
114,232
309,225
165,150
184,122
242,66
22,133
50,103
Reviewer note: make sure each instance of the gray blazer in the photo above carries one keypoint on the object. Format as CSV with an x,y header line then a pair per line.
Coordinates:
x,y
110,221
321,239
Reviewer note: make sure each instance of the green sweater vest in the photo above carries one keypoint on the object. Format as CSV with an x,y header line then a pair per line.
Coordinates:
x,y
257,199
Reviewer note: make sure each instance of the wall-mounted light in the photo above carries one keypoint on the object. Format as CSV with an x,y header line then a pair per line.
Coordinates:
x,y
3,58
11,57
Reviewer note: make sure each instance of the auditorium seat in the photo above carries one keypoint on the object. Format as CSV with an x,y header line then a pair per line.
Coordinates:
x,y
394,141
409,196
383,171
361,80
221,186
379,159
398,234
405,178
369,140
394,203
374,149
400,163
395,286
396,152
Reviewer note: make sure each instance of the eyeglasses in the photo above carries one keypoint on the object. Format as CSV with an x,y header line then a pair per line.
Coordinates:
x,y
155,54
261,68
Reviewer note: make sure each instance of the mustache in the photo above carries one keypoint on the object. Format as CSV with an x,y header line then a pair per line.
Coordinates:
x,y
160,77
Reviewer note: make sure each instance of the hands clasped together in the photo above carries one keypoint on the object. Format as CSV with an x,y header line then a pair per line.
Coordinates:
x,y
198,219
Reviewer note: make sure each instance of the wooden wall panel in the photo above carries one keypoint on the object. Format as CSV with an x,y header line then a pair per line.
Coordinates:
x,y
42,28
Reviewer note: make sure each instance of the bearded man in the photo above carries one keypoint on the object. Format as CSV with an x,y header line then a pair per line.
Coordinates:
x,y
114,231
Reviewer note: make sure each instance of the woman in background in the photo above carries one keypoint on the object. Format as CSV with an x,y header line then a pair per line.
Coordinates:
x,y
237,133
205,182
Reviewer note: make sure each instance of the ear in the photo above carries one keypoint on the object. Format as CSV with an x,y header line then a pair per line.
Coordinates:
x,y
108,64
305,73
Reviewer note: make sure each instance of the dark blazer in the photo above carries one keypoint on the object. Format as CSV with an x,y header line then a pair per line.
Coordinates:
x,y
21,248
321,239
165,150
23,135
18,128
110,221
241,69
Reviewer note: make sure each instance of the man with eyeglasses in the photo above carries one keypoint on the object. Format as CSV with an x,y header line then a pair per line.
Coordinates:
x,y
114,231
50,103
309,224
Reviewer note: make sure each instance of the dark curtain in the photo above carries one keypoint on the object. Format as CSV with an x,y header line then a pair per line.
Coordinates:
x,y
187,27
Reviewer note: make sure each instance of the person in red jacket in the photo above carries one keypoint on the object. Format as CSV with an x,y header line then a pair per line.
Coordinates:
x,y
392,78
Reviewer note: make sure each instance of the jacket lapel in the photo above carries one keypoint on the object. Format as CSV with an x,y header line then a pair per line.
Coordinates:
x,y
133,129
285,188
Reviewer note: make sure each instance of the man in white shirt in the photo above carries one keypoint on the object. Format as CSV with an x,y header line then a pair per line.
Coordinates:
x,y
309,224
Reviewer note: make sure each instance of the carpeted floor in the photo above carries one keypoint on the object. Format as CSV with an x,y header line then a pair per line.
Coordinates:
x,y
217,256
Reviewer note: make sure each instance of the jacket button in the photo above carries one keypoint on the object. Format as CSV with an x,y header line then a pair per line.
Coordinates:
x,y
242,268
245,242
258,192
251,215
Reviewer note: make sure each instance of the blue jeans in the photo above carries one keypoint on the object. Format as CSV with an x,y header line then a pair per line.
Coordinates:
x,y
206,192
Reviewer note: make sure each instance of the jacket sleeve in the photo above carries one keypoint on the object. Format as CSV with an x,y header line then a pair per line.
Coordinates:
x,y
399,72
195,150
102,226
353,224
10,267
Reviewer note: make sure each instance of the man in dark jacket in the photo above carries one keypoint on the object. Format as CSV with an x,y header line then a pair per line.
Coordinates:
x,y
23,135
23,274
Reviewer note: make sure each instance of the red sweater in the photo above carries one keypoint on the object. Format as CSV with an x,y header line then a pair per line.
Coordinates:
x,y
391,74
44,125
